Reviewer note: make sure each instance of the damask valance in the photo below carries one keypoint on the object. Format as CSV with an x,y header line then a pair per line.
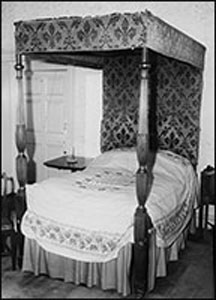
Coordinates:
x,y
108,32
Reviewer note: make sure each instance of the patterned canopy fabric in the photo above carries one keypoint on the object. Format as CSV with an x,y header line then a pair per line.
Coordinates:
x,y
175,101
107,32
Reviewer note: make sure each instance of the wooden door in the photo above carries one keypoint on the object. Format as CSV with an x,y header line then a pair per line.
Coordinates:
x,y
48,116
64,109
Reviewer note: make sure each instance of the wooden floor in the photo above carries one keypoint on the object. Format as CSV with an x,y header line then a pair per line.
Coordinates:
x,y
190,277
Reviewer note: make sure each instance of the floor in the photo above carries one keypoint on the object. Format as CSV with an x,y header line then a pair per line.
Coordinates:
x,y
190,277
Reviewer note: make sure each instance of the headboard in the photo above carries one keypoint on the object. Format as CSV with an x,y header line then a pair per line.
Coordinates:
x,y
174,116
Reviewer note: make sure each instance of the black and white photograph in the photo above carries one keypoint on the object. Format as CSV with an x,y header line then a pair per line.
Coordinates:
x,y
107,153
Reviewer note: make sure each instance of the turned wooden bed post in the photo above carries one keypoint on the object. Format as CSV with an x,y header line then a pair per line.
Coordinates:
x,y
143,184
21,159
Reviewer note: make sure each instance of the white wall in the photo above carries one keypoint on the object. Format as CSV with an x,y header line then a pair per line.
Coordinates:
x,y
6,115
194,18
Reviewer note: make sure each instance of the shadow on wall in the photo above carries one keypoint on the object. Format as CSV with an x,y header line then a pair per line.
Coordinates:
x,y
30,147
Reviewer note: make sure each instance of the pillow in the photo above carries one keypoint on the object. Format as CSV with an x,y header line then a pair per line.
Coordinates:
x,y
126,159
172,156
121,158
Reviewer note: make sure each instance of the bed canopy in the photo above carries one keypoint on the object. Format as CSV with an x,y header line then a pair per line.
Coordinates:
x,y
151,90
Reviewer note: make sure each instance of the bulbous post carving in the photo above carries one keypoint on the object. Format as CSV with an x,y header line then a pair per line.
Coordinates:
x,y
143,173
21,159
20,136
144,177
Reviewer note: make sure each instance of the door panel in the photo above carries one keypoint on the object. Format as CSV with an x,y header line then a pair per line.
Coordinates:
x,y
55,117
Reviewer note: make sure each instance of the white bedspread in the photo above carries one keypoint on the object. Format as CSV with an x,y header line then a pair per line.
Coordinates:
x,y
89,215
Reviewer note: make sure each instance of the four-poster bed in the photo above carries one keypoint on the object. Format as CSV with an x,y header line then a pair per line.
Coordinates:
x,y
152,84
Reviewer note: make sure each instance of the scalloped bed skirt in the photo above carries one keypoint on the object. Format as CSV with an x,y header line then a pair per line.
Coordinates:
x,y
112,275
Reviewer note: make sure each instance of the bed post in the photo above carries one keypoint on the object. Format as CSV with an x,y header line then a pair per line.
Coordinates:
x,y
143,184
21,159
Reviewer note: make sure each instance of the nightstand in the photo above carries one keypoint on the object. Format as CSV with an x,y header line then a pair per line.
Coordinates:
x,y
62,163
207,196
